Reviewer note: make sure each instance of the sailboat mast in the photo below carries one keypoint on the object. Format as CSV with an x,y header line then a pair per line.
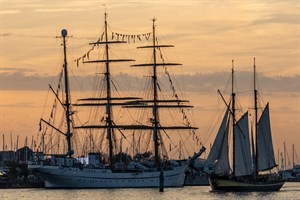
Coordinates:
x,y
108,96
255,117
233,118
293,154
155,98
284,150
70,152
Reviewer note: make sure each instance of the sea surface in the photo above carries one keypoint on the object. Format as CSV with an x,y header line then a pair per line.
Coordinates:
x,y
288,192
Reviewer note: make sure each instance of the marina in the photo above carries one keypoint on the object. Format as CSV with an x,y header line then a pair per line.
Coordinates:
x,y
139,100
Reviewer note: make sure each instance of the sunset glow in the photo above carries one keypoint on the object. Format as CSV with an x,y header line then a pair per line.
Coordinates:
x,y
207,35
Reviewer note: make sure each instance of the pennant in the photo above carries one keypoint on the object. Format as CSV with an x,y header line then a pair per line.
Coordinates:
x,y
88,54
78,61
102,36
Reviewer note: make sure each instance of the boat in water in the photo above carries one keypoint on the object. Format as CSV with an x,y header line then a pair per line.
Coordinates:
x,y
245,166
195,175
111,167
291,174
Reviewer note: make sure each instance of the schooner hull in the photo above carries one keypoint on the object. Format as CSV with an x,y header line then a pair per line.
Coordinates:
x,y
57,177
230,185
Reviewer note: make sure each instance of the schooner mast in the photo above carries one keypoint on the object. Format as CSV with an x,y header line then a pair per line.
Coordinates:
x,y
255,119
233,118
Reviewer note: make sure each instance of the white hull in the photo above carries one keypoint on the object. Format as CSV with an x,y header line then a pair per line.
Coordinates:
x,y
71,177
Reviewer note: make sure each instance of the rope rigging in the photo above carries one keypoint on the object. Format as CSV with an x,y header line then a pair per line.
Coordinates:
x,y
174,94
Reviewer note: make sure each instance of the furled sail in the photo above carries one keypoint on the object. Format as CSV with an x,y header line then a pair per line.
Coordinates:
x,y
265,151
242,147
219,150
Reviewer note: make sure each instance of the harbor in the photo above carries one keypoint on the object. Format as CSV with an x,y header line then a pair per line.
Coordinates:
x,y
149,100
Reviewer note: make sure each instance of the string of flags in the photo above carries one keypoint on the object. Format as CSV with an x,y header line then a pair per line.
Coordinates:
x,y
185,117
115,36
44,130
130,37
52,114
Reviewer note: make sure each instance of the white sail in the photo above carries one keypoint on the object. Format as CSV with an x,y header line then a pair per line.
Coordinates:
x,y
219,150
265,151
242,147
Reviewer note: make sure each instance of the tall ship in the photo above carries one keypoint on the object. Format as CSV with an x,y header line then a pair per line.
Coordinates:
x,y
110,166
244,166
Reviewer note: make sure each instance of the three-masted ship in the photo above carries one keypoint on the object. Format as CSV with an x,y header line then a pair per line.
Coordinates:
x,y
113,170
248,166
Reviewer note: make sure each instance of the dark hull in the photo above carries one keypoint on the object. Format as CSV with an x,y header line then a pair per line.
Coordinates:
x,y
293,179
12,183
232,185
196,180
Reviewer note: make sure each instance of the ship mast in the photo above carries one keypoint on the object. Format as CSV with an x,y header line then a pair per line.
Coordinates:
x,y
155,103
108,100
233,117
70,152
255,117
155,98
108,96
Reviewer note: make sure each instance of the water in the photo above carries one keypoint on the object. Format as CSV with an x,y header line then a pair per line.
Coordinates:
x,y
289,191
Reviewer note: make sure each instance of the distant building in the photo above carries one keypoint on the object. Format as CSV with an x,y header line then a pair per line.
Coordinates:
x,y
7,156
24,154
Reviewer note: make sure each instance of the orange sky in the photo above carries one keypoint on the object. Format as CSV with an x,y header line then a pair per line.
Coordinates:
x,y
206,34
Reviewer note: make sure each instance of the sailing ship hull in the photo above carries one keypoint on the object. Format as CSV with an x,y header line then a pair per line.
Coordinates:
x,y
71,177
227,184
196,180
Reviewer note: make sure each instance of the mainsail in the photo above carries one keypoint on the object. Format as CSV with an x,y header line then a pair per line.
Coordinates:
x,y
242,147
219,150
265,152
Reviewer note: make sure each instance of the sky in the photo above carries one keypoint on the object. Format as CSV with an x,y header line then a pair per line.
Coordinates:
x,y
207,35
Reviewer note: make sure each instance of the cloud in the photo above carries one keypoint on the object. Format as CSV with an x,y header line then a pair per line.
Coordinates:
x,y
280,18
8,12
21,79
212,82
48,10
6,34
17,79
6,70
20,104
